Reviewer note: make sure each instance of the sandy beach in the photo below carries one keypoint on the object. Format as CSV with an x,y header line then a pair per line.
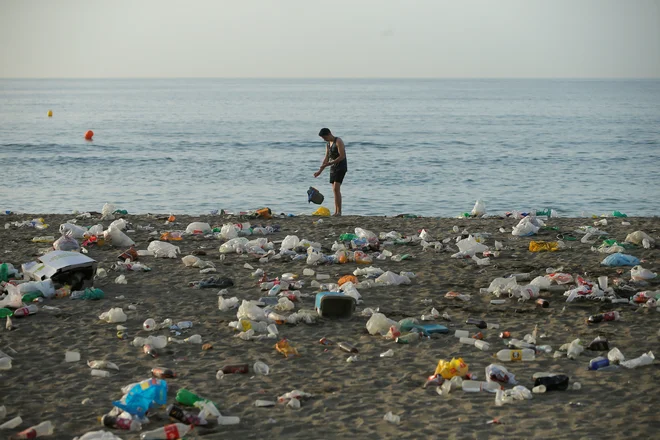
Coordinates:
x,y
349,398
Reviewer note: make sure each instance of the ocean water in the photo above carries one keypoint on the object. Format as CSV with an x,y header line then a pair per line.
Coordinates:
x,y
430,147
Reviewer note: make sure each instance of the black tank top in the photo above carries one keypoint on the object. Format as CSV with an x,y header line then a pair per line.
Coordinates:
x,y
334,154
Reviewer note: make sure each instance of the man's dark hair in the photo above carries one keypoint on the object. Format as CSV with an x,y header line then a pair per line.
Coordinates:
x,y
324,132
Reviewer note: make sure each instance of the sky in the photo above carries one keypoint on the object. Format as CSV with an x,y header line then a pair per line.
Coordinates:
x,y
330,39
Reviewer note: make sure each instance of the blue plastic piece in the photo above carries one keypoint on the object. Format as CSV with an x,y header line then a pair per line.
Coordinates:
x,y
143,396
620,259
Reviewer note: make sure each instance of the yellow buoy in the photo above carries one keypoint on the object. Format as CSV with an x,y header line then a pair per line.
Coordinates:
x,y
50,113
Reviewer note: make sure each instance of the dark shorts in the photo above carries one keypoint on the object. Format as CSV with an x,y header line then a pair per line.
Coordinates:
x,y
337,175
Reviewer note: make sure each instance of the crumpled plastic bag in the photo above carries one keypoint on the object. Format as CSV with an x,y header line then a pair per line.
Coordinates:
x,y
349,289
66,243
380,324
290,242
198,226
98,435
143,396
229,231
113,315
638,273
544,246
470,246
479,209
313,257
366,235
527,226
14,298
107,213
322,211
347,279
250,310
162,249
118,238
95,230
226,304
392,279
619,259
499,373
501,286
449,369
235,245
74,231
193,261
120,224
638,236
542,282
284,305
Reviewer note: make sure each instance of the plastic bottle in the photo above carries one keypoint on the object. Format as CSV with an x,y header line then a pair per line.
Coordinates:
x,y
349,348
5,312
526,354
179,414
194,339
88,293
12,423
467,341
163,373
557,382
236,369
3,412
25,311
187,398
5,363
481,345
173,431
150,350
598,363
646,243
574,349
43,428
475,386
120,423
540,389
100,373
609,316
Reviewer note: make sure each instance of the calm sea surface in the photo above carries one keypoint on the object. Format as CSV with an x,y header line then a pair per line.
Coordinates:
x,y
430,147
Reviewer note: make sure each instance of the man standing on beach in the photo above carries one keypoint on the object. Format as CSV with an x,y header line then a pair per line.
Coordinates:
x,y
335,157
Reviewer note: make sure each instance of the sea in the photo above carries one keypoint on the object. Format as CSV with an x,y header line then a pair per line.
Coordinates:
x,y
430,147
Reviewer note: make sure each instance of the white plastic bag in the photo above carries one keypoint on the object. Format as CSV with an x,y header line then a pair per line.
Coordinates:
x,y
250,310
479,209
119,224
638,236
95,230
290,242
66,243
502,286
107,213
366,235
235,245
199,226
161,249
638,273
227,304
74,231
313,257
543,283
526,227
391,279
380,324
118,238
470,246
114,315
229,231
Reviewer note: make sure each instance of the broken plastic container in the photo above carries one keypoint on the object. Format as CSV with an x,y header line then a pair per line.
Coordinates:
x,y
334,305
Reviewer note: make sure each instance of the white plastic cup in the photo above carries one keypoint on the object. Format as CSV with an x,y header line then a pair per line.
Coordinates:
x,y
602,282
71,356
462,334
100,373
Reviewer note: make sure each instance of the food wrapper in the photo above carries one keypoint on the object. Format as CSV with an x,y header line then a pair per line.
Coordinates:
x,y
345,279
449,369
286,349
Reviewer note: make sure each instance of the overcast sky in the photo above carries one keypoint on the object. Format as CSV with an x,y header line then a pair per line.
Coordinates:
x,y
337,38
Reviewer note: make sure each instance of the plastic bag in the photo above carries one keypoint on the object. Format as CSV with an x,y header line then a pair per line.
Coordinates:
x,y
229,231
455,367
527,226
498,373
193,261
470,246
543,283
347,279
107,213
619,259
66,243
479,209
95,230
322,212
161,249
290,242
313,195
143,396
380,324
227,304
313,257
391,279
250,310
366,235
638,273
120,224
118,238
235,245
502,285
74,231
114,315
638,236
541,246
204,228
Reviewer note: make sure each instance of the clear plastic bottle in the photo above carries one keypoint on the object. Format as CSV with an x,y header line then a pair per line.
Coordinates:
x,y
475,386
194,339
100,373
173,431
481,345
30,309
467,341
43,428
12,423
120,423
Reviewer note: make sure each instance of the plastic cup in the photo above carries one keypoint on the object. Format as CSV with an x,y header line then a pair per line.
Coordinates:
x,y
71,356
602,282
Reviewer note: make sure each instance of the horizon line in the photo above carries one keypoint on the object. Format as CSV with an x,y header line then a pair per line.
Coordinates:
x,y
585,78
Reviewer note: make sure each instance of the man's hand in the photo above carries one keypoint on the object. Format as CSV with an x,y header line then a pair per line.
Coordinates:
x,y
318,173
